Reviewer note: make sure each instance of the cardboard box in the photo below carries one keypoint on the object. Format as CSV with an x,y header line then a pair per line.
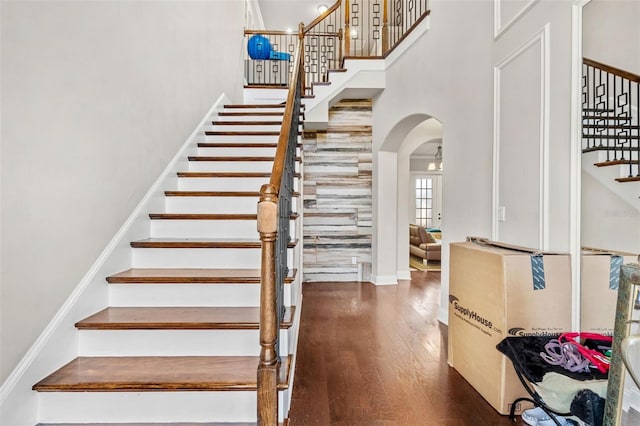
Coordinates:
x,y
492,296
599,293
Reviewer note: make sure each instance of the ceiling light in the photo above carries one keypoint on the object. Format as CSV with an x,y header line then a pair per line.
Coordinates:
x,y
436,164
322,8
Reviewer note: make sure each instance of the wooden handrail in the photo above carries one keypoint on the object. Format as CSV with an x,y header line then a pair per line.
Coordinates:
x,y
322,16
283,140
269,229
266,32
406,34
374,16
613,70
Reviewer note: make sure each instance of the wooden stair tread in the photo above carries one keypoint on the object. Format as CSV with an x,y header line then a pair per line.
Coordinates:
x,y
227,174
191,276
629,179
240,106
217,194
321,83
254,113
150,424
244,133
208,216
614,163
178,318
246,123
244,113
201,243
180,373
240,145
232,158
267,86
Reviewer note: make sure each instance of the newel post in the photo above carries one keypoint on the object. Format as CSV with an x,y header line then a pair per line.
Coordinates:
x,y
269,364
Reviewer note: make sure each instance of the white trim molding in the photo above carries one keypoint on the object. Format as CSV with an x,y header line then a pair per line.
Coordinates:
x,y
498,27
384,280
575,166
541,38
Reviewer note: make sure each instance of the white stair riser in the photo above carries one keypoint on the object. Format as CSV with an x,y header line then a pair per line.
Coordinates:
x,y
225,184
221,184
237,152
227,295
195,406
247,205
197,258
231,166
242,138
207,228
174,342
256,111
255,117
245,127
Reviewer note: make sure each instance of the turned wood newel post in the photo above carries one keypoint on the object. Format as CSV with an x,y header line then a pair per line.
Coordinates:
x,y
269,362
385,27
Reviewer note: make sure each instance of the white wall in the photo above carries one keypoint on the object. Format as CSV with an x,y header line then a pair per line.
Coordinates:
x,y
456,60
608,222
612,33
96,99
447,75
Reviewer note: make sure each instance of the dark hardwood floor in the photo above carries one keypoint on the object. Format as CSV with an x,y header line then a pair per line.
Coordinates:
x,y
377,355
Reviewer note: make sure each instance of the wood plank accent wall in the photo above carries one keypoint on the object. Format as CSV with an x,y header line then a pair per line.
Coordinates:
x,y
337,193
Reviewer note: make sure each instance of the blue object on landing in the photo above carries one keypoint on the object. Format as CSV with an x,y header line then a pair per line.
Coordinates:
x,y
259,47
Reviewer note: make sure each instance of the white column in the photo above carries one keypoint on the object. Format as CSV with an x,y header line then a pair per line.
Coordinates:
x,y
385,172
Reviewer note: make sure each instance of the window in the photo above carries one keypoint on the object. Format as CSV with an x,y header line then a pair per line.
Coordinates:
x,y
424,201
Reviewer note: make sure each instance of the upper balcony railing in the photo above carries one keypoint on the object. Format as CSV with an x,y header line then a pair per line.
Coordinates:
x,y
348,29
611,122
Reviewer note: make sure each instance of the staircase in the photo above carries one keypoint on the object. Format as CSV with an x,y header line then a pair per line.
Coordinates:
x,y
179,341
611,128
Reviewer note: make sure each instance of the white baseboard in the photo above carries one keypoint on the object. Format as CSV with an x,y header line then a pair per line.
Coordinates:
x,y
58,343
404,274
384,279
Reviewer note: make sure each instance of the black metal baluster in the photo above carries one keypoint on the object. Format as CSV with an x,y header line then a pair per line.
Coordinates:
x,y
593,97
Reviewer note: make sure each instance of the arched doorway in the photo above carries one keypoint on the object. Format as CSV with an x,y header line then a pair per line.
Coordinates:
x,y
391,245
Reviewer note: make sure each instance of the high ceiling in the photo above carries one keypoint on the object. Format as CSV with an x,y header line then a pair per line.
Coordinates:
x,y
284,14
